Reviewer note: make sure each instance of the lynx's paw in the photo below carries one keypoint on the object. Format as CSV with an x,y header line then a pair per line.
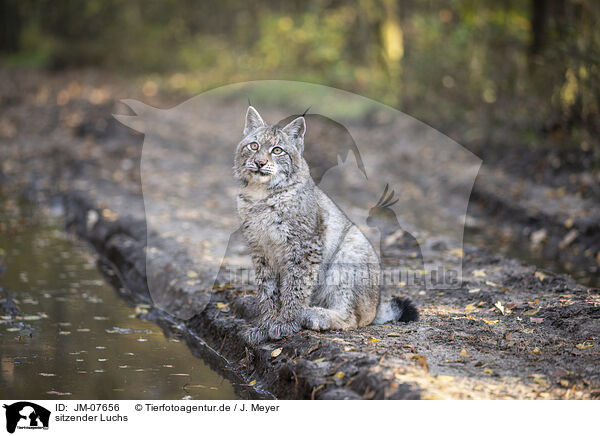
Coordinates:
x,y
315,319
281,329
256,335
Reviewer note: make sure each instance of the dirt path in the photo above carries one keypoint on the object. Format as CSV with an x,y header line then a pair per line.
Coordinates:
x,y
510,331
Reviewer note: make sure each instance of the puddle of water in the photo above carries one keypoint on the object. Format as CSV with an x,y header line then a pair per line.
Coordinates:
x,y
77,339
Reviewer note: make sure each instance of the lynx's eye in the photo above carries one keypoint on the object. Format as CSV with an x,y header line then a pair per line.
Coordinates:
x,y
253,146
277,150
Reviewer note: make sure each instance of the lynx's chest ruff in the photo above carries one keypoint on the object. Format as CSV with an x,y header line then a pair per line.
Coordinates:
x,y
265,227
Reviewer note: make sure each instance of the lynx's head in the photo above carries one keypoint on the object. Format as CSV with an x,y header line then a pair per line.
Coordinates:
x,y
270,155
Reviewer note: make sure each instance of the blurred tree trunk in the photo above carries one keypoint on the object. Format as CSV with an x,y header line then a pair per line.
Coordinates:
x,y
10,26
539,18
381,44
393,46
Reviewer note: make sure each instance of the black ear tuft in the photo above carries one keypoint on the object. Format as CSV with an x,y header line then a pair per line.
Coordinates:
x,y
406,308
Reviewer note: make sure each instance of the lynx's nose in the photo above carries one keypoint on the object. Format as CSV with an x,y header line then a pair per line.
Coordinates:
x,y
260,163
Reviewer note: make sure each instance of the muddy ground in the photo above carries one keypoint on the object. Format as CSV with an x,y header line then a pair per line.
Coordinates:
x,y
510,331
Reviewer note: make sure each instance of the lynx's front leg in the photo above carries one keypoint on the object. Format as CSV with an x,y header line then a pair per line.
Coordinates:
x,y
263,305
262,308
294,295
281,315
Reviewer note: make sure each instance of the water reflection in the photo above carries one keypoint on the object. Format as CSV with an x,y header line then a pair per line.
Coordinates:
x,y
76,339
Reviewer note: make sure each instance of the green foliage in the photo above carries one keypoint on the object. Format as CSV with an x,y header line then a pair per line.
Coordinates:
x,y
481,70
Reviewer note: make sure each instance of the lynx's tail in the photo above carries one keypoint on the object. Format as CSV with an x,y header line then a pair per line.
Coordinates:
x,y
396,309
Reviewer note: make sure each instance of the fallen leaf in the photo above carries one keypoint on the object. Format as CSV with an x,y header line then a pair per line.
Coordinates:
x,y
394,335
531,312
223,306
339,375
349,348
252,383
469,308
540,381
474,291
110,215
538,237
374,340
421,360
489,283
457,252
564,383
276,352
584,345
498,305
479,273
568,239
491,321
536,350
192,274
540,275
488,371
212,388
464,353
140,309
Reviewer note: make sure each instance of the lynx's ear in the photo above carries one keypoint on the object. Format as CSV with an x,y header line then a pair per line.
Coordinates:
x,y
253,120
295,130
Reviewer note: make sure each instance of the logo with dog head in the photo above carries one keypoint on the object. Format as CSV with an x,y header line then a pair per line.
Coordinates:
x,y
26,415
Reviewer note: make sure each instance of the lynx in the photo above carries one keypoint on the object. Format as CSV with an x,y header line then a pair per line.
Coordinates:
x,y
314,267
